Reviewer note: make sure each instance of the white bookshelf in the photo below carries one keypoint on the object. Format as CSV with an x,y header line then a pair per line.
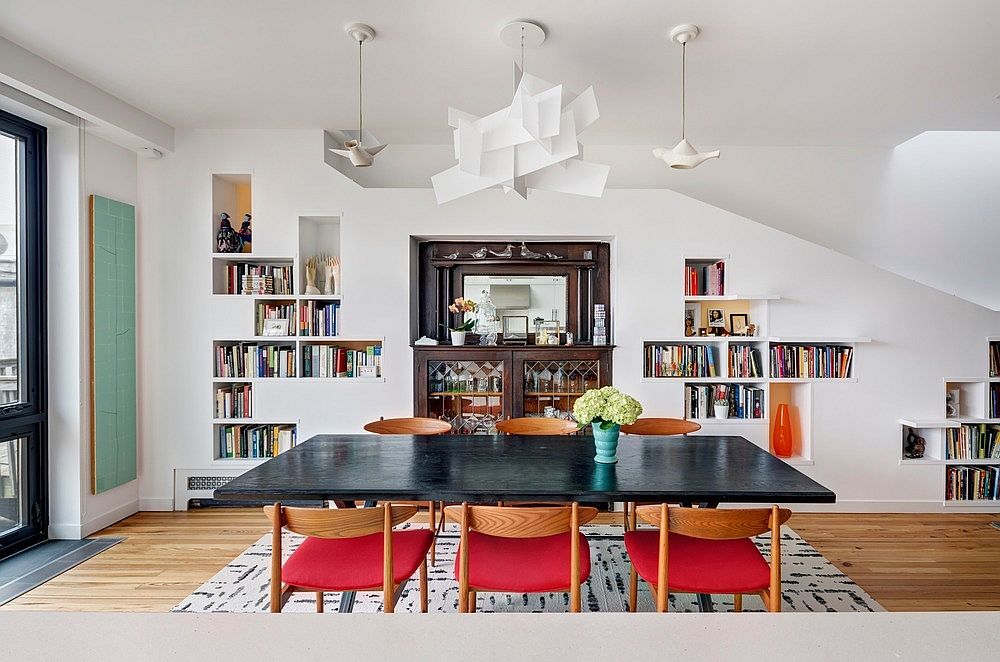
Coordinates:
x,y
271,398
979,398
798,392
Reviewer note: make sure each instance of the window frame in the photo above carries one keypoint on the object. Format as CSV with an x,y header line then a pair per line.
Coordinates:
x,y
28,418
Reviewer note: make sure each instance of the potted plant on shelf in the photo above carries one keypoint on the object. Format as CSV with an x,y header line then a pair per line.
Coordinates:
x,y
606,410
460,307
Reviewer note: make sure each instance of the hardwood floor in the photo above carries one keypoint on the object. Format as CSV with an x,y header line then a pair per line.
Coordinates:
x,y
907,562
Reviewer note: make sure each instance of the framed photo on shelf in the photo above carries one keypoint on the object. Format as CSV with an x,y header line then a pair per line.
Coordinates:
x,y
716,318
692,318
738,324
275,327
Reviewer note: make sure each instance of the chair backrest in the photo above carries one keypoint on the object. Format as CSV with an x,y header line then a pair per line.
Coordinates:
x,y
715,523
341,522
537,426
416,425
661,426
515,522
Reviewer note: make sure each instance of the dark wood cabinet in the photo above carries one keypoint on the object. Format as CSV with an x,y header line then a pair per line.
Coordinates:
x,y
474,386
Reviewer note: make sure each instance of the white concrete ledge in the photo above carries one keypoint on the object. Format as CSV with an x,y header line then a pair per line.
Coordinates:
x,y
148,637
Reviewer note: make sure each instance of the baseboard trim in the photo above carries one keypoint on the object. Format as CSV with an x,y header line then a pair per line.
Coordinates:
x,y
112,516
156,504
65,532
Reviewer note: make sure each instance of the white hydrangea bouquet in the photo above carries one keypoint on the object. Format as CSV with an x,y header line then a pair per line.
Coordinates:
x,y
606,410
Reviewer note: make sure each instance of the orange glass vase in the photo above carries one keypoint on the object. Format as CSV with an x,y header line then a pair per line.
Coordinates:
x,y
781,436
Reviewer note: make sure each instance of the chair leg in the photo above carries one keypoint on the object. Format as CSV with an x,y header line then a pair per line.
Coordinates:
x,y
319,602
472,602
738,602
631,516
431,506
625,517
423,587
633,590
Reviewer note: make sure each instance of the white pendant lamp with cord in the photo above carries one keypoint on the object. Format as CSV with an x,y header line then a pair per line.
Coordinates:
x,y
684,156
360,146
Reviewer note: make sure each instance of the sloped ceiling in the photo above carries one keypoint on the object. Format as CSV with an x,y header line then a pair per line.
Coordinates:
x,y
814,104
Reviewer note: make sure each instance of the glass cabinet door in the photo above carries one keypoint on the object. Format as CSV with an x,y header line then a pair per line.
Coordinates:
x,y
552,386
467,394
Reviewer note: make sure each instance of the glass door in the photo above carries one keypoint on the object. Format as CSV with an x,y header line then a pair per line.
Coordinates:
x,y
467,394
23,490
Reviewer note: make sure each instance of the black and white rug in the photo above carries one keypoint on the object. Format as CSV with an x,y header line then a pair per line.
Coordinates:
x,y
809,583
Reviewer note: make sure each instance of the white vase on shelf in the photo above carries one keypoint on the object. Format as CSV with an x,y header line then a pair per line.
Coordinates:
x,y
458,337
722,411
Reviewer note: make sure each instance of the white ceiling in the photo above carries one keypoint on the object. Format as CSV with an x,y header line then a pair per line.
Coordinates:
x,y
766,72
808,99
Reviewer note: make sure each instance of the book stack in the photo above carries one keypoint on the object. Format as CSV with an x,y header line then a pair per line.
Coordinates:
x,y
249,360
746,402
680,361
972,442
327,361
705,280
233,401
600,328
811,361
995,358
972,484
275,311
744,361
254,441
250,278
317,318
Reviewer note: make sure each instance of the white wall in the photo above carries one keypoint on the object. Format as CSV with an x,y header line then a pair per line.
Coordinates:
x,y
920,334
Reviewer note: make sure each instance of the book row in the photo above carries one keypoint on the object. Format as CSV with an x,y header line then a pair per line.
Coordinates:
x,y
310,318
234,401
705,280
744,361
811,361
250,360
994,358
250,278
332,361
254,441
680,361
972,442
746,402
972,484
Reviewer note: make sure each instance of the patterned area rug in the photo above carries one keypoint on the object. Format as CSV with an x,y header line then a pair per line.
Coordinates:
x,y
809,583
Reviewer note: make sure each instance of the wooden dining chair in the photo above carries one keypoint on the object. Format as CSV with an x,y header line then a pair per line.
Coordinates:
x,y
529,426
347,550
421,426
521,550
655,427
706,550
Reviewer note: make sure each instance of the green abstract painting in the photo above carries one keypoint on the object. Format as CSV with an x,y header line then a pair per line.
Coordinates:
x,y
112,358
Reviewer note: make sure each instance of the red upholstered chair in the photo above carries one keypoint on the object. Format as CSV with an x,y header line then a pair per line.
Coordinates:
x,y
706,550
521,550
657,427
421,426
347,550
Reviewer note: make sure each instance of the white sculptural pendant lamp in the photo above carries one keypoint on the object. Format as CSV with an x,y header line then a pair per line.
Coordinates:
x,y
532,143
684,156
360,146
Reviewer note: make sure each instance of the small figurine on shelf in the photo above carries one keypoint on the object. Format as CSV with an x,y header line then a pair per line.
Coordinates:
x,y
915,446
528,253
311,265
751,329
246,234
507,252
333,275
689,327
227,240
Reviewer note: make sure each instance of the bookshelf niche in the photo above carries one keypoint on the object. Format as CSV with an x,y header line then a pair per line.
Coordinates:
x,y
754,373
283,336
965,440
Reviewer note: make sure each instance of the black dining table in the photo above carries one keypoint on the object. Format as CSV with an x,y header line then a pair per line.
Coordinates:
x,y
698,469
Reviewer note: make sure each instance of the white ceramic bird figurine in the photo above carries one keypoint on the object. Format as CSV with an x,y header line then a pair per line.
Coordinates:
x,y
684,156
528,253
361,157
